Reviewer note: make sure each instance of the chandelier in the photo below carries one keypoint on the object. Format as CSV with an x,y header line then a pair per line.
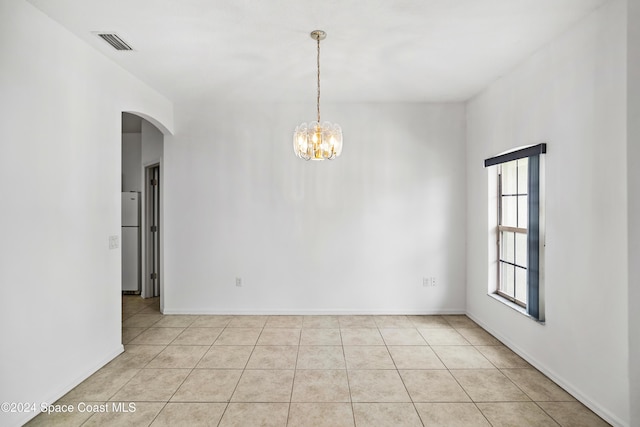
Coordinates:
x,y
317,140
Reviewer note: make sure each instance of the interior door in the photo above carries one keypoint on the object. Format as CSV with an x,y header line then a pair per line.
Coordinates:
x,y
153,228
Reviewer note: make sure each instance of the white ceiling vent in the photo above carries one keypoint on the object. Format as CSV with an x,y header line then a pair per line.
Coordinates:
x,y
115,41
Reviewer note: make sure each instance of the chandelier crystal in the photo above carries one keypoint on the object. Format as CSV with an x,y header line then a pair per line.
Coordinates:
x,y
318,140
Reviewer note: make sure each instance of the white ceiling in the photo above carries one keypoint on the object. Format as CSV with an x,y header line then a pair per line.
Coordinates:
x,y
375,51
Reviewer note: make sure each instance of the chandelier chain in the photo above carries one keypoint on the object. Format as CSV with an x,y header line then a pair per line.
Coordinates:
x,y
318,80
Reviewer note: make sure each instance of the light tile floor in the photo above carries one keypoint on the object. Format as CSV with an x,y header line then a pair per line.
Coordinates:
x,y
315,371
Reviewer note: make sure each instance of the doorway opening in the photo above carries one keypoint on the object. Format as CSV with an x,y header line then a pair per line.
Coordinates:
x,y
142,154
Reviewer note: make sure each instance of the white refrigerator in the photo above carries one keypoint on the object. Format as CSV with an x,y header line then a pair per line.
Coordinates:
x,y
131,242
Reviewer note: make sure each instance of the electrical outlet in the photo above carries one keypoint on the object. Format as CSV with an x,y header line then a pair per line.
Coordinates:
x,y
239,281
429,282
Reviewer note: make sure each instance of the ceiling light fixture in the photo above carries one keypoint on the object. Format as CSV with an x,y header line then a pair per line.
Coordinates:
x,y
317,140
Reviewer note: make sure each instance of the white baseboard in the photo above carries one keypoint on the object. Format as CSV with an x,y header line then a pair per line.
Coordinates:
x,y
567,386
293,312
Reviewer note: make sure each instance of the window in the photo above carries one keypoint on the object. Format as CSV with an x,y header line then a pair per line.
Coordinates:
x,y
512,231
518,231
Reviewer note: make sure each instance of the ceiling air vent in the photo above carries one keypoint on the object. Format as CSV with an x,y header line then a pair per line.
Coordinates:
x,y
115,41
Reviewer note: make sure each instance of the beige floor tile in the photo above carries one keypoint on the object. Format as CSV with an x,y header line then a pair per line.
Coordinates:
x,y
128,334
368,357
502,357
273,357
348,322
157,336
402,336
175,321
433,386
197,336
572,414
247,322
386,414
226,357
478,336
415,357
151,385
320,322
135,356
320,386
144,414
386,322
264,386
279,336
284,322
255,414
508,414
320,415
161,350
208,385
538,387
61,419
190,414
429,322
150,310
211,322
141,320
488,385
324,336
462,357
179,356
451,415
101,385
460,321
132,305
361,336
320,357
238,336
443,337
377,386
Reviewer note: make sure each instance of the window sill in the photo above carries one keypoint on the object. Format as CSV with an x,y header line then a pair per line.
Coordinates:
x,y
515,307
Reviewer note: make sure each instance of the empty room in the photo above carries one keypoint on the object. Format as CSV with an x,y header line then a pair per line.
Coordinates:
x,y
333,213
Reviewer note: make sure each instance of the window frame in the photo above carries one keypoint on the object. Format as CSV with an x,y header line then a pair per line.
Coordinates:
x,y
500,228
535,226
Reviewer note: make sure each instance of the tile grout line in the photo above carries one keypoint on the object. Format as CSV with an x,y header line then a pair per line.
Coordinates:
x,y
295,372
346,372
413,403
458,382
243,369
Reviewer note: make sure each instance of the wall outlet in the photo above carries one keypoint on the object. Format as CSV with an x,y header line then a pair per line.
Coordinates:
x,y
114,242
238,281
429,282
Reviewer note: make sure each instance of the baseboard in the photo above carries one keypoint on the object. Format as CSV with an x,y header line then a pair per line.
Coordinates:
x,y
54,396
567,386
293,312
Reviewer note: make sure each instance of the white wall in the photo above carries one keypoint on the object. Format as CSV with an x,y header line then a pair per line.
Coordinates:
x,y
131,161
571,95
60,118
356,234
633,154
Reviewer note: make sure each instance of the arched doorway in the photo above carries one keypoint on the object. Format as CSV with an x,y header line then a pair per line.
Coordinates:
x,y
142,156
